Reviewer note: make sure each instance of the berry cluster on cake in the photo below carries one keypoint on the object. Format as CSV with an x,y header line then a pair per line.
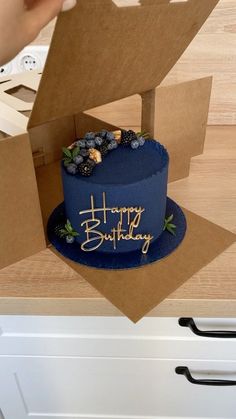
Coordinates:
x,y
83,155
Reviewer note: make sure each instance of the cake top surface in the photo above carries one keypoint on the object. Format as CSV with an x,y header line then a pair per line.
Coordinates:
x,y
125,165
114,157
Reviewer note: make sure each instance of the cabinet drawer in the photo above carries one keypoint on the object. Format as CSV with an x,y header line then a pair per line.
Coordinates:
x,y
111,337
91,325
118,346
113,388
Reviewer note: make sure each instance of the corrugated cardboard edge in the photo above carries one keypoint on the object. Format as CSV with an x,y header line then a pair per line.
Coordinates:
x,y
177,115
21,228
86,123
181,115
118,72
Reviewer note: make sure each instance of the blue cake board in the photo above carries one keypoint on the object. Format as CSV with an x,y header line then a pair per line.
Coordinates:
x,y
159,249
135,292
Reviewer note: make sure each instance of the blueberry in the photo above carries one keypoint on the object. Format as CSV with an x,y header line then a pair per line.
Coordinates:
x,y
70,239
81,143
110,136
89,136
78,159
141,140
98,140
134,144
84,152
71,168
112,145
90,143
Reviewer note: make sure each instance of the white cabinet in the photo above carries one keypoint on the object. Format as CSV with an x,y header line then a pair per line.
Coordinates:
x,y
108,368
71,387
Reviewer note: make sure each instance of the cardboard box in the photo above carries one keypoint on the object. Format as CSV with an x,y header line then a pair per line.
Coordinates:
x,y
99,54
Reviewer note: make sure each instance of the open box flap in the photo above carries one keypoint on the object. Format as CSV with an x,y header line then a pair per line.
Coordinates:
x,y
21,227
135,292
101,53
177,116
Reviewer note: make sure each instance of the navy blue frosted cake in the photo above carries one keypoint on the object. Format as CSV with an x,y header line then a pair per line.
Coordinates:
x,y
115,187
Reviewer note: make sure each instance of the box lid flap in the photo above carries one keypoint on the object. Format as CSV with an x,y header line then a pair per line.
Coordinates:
x,y
101,53
21,228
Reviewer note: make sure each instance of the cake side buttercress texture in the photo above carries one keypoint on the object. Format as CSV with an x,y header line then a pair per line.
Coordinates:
x,y
115,186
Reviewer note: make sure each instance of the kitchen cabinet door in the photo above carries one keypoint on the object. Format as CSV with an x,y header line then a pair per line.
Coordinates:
x,y
114,388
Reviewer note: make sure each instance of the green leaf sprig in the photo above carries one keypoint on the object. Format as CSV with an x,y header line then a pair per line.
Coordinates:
x,y
143,134
69,155
67,230
169,226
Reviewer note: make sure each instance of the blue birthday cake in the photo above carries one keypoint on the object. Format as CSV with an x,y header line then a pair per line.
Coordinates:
x,y
115,207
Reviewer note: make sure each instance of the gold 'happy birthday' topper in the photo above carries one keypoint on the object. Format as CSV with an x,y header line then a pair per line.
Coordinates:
x,y
129,216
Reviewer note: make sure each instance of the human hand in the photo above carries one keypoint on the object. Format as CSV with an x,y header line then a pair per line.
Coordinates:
x,y
22,20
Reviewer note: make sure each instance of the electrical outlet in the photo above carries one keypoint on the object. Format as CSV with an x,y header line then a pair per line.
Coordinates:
x,y
29,62
30,58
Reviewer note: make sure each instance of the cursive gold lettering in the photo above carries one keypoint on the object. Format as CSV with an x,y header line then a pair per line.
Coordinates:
x,y
132,219
96,235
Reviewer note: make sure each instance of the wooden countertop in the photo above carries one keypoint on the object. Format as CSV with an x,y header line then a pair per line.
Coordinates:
x,y
43,284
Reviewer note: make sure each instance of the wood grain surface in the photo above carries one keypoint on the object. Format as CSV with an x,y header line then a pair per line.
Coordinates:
x,y
43,284
212,52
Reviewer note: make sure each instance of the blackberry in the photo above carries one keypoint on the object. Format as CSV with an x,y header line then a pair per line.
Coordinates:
x,y
86,168
91,162
127,137
102,133
104,149
114,144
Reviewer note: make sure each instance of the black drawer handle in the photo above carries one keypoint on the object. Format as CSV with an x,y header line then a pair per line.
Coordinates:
x,y
205,382
189,322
